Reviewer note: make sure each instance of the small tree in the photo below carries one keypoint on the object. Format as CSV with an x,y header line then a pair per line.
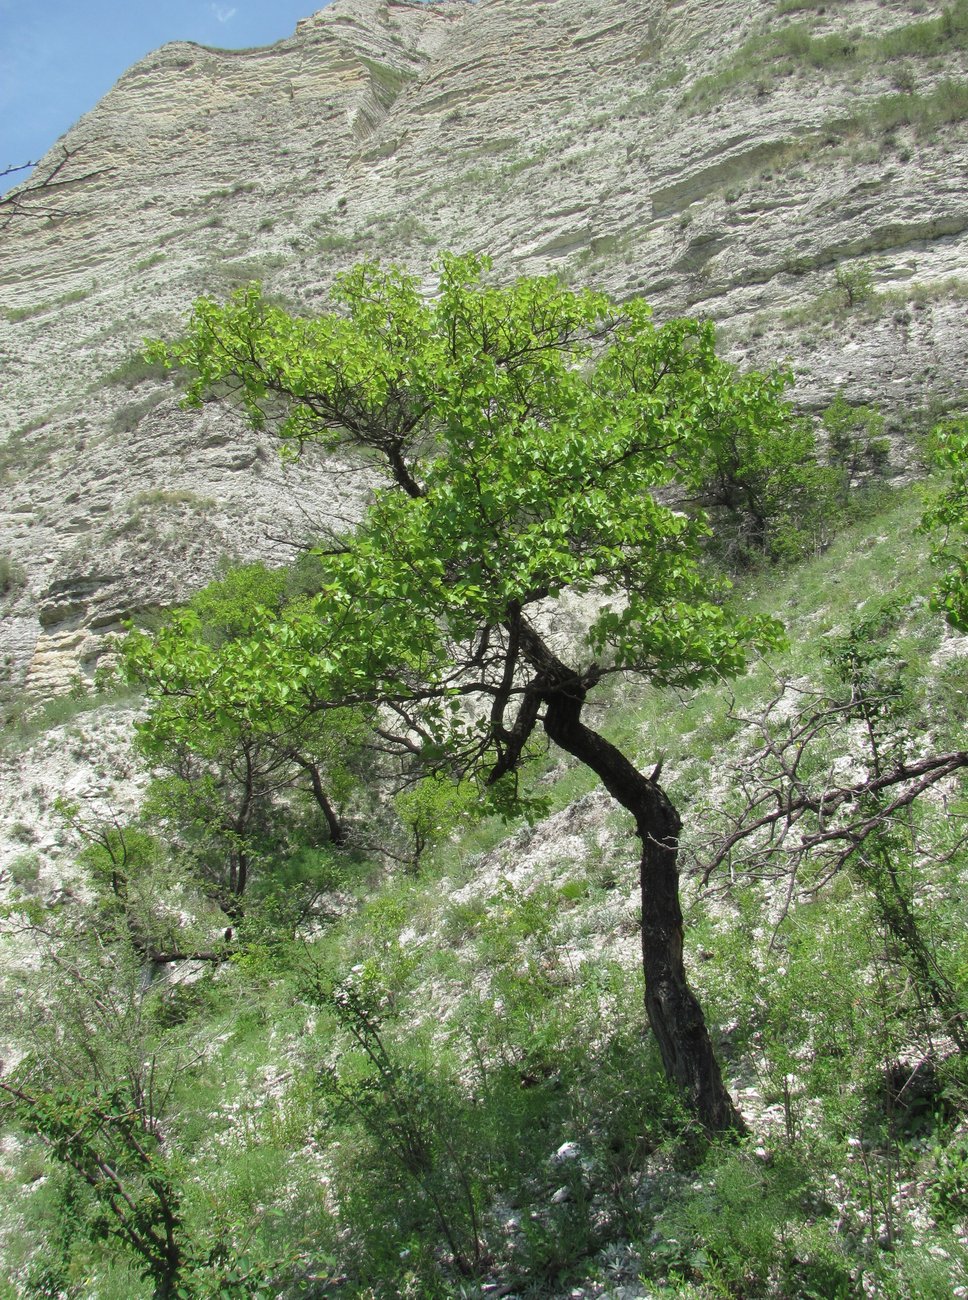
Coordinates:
x,y
856,283
949,513
112,1059
767,494
856,444
233,765
799,823
96,1089
528,438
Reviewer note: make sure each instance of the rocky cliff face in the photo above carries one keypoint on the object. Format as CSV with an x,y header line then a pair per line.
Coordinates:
x,y
795,170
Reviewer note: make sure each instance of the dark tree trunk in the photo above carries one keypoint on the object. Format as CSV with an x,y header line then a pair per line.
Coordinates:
x,y
166,1285
337,831
672,1008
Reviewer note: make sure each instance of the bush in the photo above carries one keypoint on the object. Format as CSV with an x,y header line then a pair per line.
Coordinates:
x,y
947,517
769,496
856,446
12,575
744,1229
416,1140
856,283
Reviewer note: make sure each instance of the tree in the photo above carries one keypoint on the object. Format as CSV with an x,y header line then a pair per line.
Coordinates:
x,y
949,511
232,766
855,442
856,283
767,494
525,440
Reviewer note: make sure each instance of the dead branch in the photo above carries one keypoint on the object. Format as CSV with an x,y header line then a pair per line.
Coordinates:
x,y
790,808
30,200
793,813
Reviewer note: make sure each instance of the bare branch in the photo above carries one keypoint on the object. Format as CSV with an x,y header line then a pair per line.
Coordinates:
x,y
778,821
30,201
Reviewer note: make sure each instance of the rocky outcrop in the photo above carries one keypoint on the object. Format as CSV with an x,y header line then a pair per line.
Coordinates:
x,y
720,158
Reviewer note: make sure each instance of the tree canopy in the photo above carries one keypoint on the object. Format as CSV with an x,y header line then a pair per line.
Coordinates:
x,y
528,435
530,448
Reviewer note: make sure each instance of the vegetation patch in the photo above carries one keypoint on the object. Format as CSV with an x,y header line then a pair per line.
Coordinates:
x,y
793,47
127,418
15,314
924,113
131,372
343,1012
853,295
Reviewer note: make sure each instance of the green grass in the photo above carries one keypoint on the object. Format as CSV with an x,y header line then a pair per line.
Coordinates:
x,y
925,113
32,719
153,259
175,497
512,1022
785,50
230,191
245,270
21,450
127,418
830,307
131,372
15,314
799,6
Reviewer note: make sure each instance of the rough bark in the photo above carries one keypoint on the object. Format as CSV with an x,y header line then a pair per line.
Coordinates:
x,y
674,1013
672,1008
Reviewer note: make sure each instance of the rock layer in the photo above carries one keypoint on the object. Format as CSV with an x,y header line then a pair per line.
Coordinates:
x,y
721,158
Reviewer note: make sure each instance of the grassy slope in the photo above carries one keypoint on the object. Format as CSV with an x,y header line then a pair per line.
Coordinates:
x,y
504,977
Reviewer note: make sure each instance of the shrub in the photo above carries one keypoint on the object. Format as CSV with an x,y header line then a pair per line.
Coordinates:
x,y
417,1138
740,1226
856,283
948,515
12,575
24,871
856,445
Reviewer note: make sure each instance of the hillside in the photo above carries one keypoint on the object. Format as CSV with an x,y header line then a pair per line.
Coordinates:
x,y
505,973
718,159
323,944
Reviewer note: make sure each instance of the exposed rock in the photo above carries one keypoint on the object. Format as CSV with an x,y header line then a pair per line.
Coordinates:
x,y
584,137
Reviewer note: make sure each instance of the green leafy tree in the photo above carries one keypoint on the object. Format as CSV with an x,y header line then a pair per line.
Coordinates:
x,y
767,494
856,444
527,437
949,514
856,283
232,765
432,809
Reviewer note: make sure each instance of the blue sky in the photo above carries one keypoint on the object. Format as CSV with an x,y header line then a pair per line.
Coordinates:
x,y
58,57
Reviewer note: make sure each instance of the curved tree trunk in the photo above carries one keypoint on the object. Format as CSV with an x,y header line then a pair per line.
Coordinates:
x,y
337,831
674,1013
